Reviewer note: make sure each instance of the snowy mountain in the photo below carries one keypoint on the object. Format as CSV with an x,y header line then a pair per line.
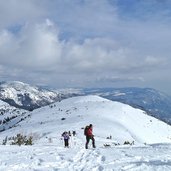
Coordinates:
x,y
154,102
120,121
10,115
25,96
29,97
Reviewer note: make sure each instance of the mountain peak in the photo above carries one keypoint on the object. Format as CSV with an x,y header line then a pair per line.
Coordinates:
x,y
87,98
26,96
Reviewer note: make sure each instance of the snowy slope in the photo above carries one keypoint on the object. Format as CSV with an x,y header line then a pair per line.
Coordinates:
x,y
121,121
155,102
53,157
109,118
26,96
10,115
30,97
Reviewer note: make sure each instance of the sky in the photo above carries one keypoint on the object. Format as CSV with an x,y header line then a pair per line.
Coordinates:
x,y
86,43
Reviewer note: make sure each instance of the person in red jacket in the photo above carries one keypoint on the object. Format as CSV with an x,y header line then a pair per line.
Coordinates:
x,y
89,135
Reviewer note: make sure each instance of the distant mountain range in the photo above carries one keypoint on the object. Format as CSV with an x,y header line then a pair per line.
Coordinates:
x,y
30,97
154,102
26,96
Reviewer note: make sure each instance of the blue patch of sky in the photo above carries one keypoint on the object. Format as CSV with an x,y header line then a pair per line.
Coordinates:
x,y
142,9
15,29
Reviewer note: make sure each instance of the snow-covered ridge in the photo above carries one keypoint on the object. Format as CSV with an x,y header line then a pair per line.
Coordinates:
x,y
84,99
9,115
154,102
26,96
122,122
30,97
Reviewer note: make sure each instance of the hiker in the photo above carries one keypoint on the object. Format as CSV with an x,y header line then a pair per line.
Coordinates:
x,y
89,135
65,135
69,133
74,133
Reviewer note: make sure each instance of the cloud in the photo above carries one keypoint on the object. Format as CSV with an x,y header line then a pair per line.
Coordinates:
x,y
14,12
105,55
66,42
116,79
82,19
35,46
38,47
144,10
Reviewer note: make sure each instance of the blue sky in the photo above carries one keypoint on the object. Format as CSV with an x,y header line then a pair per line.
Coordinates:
x,y
86,43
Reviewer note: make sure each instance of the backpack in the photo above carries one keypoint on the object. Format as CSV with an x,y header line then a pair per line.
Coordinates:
x,y
86,130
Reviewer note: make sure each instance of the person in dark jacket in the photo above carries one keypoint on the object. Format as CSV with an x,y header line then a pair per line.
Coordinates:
x,y
65,135
89,135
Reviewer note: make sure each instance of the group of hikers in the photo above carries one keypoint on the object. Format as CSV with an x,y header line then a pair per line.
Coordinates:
x,y
88,132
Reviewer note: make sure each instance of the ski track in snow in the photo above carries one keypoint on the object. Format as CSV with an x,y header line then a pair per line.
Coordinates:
x,y
53,158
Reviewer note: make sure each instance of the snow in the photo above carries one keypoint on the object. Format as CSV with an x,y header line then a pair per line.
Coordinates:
x,y
52,157
151,137
16,91
68,91
119,94
10,115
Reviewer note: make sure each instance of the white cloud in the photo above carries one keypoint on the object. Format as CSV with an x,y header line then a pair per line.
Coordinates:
x,y
14,12
115,79
151,60
39,47
35,46
81,40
